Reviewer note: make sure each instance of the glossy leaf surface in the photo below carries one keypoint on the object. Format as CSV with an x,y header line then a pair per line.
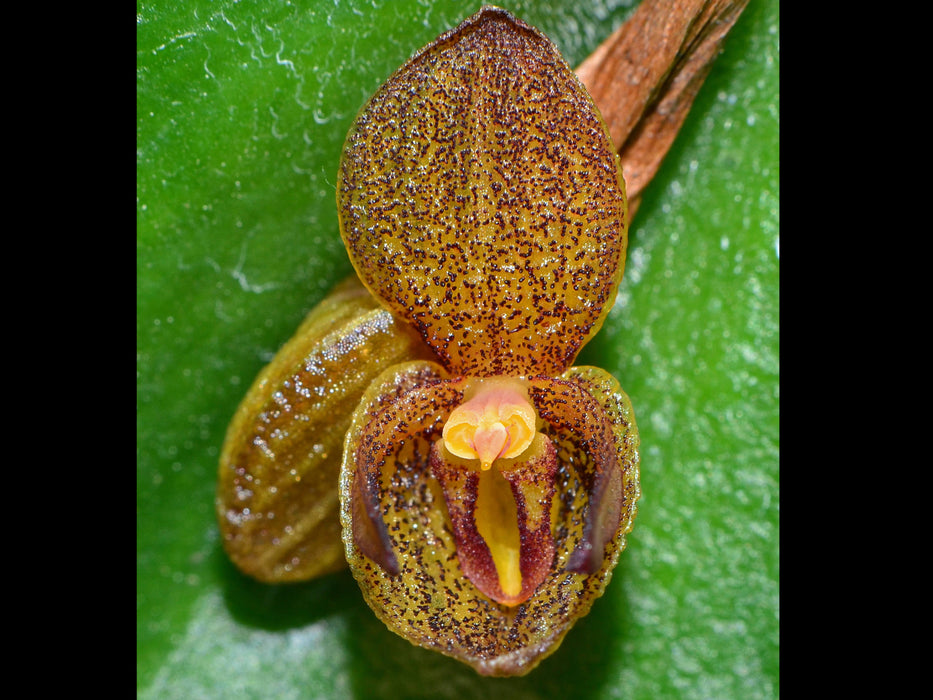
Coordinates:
x,y
242,113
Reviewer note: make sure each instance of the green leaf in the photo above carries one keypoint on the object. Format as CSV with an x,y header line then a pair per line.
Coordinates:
x,y
242,108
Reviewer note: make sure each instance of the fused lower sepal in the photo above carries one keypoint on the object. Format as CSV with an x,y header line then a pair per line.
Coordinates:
x,y
404,499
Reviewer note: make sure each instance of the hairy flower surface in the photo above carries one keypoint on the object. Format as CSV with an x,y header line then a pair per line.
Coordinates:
x,y
486,492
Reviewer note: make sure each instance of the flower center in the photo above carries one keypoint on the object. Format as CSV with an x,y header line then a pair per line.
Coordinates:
x,y
497,420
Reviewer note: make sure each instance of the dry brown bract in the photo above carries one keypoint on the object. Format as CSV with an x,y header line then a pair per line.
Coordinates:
x,y
645,76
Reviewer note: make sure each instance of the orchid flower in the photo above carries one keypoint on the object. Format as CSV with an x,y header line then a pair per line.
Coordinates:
x,y
486,484
485,495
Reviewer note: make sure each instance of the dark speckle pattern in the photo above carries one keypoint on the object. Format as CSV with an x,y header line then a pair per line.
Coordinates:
x,y
480,197
430,601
